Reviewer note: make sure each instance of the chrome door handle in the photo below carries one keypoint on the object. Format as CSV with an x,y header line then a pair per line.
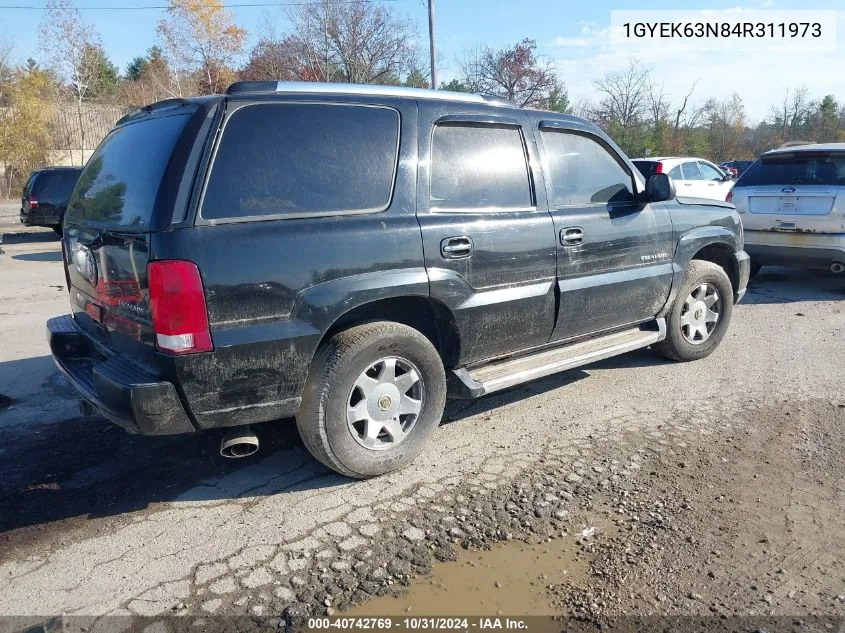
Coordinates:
x,y
571,236
456,247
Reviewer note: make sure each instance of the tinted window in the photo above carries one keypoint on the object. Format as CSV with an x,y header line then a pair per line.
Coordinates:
x,y
582,171
709,173
800,168
288,159
676,173
690,171
120,182
646,167
55,186
477,167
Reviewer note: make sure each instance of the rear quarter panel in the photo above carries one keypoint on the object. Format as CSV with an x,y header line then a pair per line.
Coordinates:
x,y
274,287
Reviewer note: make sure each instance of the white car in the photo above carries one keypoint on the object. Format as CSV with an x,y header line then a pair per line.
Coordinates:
x,y
792,205
694,177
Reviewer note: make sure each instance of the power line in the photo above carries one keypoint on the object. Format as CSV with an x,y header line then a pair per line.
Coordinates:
x,y
233,5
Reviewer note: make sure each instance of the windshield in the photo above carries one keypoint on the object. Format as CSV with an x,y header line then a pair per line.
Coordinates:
x,y
120,183
798,168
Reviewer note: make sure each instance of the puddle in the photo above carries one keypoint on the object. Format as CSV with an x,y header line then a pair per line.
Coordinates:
x,y
511,580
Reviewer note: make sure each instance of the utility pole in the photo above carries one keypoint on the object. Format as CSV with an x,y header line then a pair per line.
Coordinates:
x,y
431,44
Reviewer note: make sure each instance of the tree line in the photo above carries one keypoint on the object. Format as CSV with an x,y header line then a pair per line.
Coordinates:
x,y
200,49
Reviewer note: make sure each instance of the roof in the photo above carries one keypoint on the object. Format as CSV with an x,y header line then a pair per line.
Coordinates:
x,y
814,147
60,168
313,87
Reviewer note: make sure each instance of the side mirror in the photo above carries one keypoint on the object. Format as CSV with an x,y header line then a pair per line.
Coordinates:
x,y
659,187
727,177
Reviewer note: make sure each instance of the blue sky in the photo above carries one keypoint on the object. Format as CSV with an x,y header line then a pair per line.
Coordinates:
x,y
573,33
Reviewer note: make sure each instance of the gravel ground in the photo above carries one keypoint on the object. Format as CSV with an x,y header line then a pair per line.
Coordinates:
x,y
96,522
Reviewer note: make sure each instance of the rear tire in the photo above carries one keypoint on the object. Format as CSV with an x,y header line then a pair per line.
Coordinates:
x,y
374,396
692,333
58,230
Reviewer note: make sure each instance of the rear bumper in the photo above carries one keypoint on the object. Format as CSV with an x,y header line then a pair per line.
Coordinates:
x,y
41,218
779,248
743,267
115,387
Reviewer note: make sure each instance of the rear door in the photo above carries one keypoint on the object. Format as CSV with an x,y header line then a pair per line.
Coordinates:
x,y
110,219
799,191
614,264
489,243
692,185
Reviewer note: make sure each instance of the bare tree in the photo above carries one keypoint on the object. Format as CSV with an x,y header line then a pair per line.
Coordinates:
x,y
200,37
624,105
6,68
67,41
516,73
353,41
624,94
725,125
793,113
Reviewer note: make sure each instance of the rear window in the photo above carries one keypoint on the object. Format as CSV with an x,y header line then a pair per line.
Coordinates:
x,y
55,186
799,168
120,183
285,159
646,167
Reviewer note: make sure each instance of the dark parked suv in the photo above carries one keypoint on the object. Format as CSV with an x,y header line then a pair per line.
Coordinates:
x,y
351,255
46,194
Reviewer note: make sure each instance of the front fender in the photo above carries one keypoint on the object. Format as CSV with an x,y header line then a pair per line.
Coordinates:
x,y
691,243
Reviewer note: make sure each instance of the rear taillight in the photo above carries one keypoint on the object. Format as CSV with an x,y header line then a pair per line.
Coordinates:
x,y
729,197
177,301
659,169
33,203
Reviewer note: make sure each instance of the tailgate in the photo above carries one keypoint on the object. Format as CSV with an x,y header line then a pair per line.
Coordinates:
x,y
797,191
111,218
107,278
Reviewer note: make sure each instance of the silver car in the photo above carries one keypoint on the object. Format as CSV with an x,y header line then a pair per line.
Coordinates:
x,y
792,204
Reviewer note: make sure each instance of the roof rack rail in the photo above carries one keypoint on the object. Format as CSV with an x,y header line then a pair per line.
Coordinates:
x,y
177,102
316,87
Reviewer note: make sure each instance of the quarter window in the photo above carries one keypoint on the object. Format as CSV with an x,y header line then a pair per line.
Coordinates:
x,y
582,171
476,166
675,173
286,159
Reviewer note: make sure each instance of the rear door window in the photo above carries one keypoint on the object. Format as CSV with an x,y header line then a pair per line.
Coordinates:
x,y
119,185
582,171
290,159
690,171
798,168
479,166
676,173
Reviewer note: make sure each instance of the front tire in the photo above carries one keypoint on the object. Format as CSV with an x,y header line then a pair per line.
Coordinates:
x,y
700,315
374,396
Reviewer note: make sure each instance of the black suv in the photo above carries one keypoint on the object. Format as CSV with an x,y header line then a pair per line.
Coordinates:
x,y
351,255
45,196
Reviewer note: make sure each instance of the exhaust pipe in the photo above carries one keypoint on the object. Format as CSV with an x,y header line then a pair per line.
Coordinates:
x,y
239,443
837,268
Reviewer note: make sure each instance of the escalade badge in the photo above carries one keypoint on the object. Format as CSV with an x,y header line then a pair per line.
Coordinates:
x,y
86,263
788,190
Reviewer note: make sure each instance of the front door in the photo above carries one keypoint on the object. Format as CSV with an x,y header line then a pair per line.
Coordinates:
x,y
614,253
489,246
